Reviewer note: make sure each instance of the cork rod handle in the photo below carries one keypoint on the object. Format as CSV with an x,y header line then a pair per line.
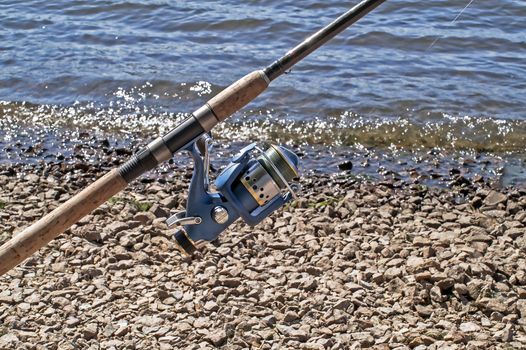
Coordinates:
x,y
22,245
238,95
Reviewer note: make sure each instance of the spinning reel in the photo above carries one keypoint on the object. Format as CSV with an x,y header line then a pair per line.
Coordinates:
x,y
252,186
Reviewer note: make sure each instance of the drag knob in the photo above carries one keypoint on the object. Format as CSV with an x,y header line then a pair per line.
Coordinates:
x,y
220,214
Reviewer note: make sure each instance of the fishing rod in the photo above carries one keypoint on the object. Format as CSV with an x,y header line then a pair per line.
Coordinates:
x,y
250,187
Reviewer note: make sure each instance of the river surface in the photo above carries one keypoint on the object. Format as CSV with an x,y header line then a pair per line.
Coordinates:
x,y
406,82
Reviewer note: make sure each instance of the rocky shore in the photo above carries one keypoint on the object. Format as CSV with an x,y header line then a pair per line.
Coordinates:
x,y
352,264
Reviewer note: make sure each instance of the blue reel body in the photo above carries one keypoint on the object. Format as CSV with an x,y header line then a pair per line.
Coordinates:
x,y
208,213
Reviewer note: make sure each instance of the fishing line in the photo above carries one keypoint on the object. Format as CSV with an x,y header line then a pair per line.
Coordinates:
x,y
452,22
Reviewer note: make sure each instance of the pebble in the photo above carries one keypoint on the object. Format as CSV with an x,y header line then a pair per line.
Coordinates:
x,y
494,198
90,331
469,327
8,341
217,338
290,316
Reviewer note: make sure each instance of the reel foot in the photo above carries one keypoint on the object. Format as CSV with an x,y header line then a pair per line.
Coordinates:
x,y
185,244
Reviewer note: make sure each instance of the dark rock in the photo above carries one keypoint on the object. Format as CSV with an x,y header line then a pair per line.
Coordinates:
x,y
90,331
217,338
117,227
158,211
345,166
445,284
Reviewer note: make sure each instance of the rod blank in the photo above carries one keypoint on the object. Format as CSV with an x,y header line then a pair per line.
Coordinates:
x,y
319,38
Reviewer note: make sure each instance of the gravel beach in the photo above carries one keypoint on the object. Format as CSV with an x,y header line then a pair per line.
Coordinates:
x,y
409,231
352,264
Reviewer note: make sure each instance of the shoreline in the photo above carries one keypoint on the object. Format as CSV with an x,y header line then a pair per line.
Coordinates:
x,y
352,263
435,167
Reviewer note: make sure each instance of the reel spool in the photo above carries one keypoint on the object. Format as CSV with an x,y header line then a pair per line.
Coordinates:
x,y
251,187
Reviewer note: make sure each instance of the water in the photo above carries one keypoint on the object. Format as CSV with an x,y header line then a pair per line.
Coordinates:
x,y
405,79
